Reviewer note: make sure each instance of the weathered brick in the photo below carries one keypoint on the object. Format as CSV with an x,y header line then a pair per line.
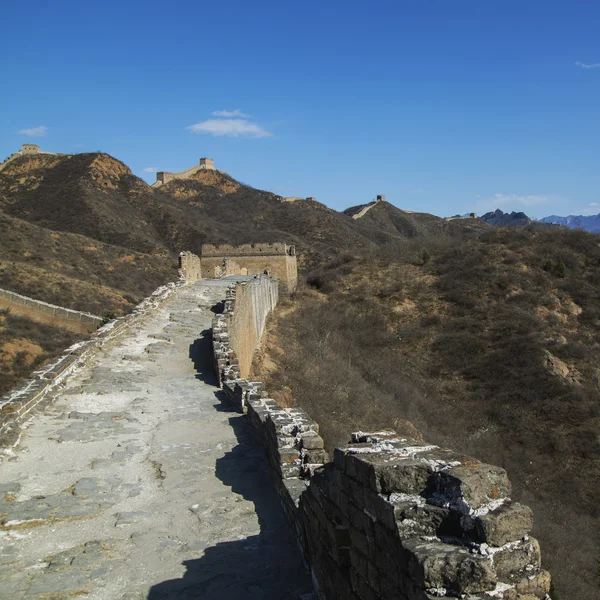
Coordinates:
x,y
508,523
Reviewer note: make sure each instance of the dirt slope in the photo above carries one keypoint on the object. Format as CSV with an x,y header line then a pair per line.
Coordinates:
x,y
488,346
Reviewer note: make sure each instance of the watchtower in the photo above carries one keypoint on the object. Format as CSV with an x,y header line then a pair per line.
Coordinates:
x,y
207,163
380,198
30,149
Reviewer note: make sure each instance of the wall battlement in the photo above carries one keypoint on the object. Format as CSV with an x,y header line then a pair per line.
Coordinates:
x,y
389,517
277,260
247,250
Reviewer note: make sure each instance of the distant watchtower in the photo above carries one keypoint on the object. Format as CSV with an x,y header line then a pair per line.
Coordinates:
x,y
380,198
207,163
30,149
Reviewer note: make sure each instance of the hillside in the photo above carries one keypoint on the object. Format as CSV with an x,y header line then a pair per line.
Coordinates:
x,y
46,198
489,346
25,345
81,231
386,217
96,196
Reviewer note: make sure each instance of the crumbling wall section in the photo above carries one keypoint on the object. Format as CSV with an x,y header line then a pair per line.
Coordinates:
x,y
389,518
190,268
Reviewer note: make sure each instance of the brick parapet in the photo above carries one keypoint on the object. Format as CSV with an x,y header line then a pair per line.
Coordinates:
x,y
247,249
389,517
49,313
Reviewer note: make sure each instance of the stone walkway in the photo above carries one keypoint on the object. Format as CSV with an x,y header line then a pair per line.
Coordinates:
x,y
136,483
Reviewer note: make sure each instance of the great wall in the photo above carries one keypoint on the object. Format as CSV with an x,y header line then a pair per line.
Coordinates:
x,y
26,149
141,478
49,314
205,164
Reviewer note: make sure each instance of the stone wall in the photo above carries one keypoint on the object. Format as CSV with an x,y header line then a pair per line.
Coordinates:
x,y
247,306
33,393
25,149
277,260
205,164
389,517
220,250
189,267
49,314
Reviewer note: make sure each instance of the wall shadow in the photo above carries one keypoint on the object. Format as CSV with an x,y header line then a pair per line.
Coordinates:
x,y
266,563
201,355
218,308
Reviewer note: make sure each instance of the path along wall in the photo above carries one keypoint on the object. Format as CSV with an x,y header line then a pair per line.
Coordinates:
x,y
49,314
389,518
34,393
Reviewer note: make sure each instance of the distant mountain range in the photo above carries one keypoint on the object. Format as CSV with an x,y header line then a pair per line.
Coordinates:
x,y
499,217
589,223
520,219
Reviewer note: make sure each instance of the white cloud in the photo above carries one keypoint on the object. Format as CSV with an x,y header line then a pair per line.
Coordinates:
x,y
150,170
513,201
588,66
590,209
34,131
230,113
230,128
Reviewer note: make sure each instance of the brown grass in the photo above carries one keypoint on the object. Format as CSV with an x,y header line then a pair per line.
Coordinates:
x,y
26,345
449,335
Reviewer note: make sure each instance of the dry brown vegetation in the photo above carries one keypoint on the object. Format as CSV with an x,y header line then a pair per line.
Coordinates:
x,y
488,346
26,345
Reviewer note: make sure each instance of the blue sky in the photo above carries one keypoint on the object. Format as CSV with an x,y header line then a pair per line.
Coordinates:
x,y
443,106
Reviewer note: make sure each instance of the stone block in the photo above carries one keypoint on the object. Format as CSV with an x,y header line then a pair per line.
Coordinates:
x,y
311,441
405,477
469,486
536,584
516,557
295,488
440,565
318,457
508,523
289,456
419,520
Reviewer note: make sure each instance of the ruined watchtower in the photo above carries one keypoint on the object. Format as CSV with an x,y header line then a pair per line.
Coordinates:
x,y
277,260
207,163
